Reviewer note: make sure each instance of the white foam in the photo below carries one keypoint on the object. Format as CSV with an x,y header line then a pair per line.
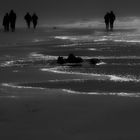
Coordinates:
x,y
99,93
12,63
36,55
111,57
69,45
128,41
7,63
121,79
92,49
19,87
118,57
126,37
126,64
93,76
72,38
101,40
79,38
101,63
10,85
31,58
67,80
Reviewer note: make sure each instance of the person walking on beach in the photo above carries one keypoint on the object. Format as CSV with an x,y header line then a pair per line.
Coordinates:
x,y
12,18
28,19
6,22
107,20
34,20
112,18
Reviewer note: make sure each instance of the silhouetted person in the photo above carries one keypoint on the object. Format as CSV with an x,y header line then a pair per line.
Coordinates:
x,y
107,20
28,19
6,22
12,17
112,19
34,20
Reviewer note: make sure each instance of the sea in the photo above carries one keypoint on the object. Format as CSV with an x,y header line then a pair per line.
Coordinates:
x,y
28,62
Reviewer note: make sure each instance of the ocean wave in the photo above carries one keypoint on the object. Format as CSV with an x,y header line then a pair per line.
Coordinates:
x,y
69,91
99,93
115,78
127,41
19,62
101,40
32,58
36,55
69,45
103,37
118,57
125,64
67,80
11,85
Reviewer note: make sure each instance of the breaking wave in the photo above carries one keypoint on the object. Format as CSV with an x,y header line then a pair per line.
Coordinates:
x,y
98,93
10,85
94,76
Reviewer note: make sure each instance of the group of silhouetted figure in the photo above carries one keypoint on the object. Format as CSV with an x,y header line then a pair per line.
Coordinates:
x,y
9,20
109,20
28,18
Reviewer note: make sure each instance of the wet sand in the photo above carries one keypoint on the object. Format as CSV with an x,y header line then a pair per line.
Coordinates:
x,y
56,115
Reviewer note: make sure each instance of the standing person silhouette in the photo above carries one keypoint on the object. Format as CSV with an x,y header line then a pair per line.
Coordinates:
x,y
34,20
28,19
107,20
12,17
112,19
6,22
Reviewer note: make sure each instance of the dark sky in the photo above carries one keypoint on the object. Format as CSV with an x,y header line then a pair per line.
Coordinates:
x,y
62,10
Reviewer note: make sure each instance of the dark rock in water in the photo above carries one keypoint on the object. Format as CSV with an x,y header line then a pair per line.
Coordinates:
x,y
73,59
60,60
94,61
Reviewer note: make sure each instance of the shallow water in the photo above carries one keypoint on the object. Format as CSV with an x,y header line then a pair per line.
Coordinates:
x,y
33,62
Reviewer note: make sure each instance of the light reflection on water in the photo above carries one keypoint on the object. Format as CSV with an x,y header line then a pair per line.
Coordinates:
x,y
86,43
128,37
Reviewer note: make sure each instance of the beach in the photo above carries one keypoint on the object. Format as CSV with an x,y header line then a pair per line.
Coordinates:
x,y
41,99
63,116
